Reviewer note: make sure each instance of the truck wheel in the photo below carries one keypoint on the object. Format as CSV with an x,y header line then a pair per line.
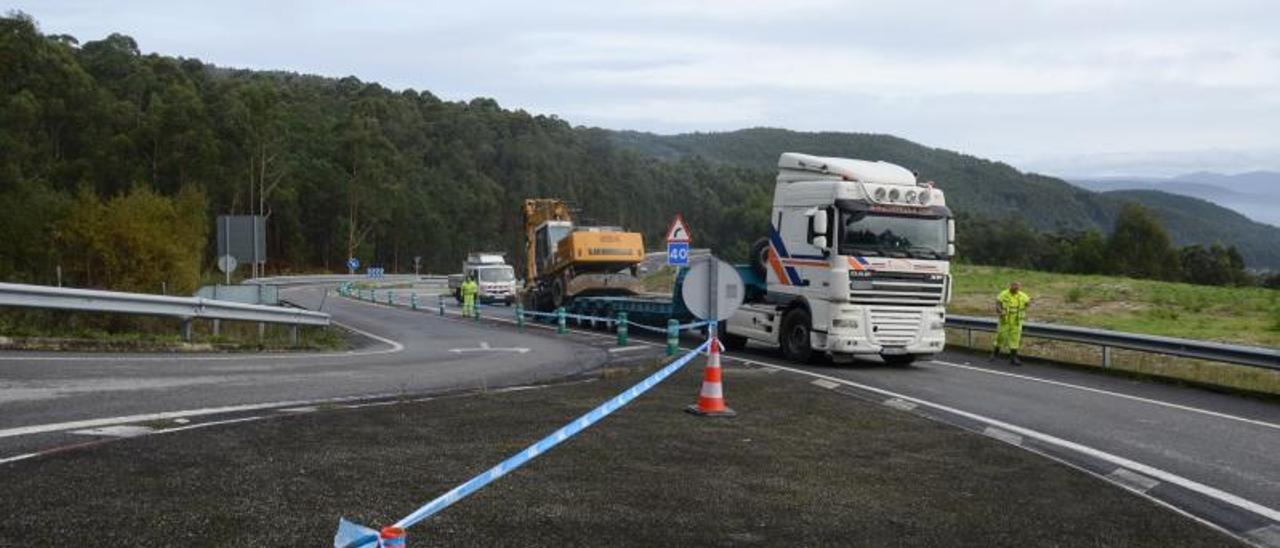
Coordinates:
x,y
760,257
796,336
899,359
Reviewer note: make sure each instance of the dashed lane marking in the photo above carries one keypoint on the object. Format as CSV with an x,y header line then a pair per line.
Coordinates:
x,y
823,383
898,404
618,349
1133,480
1268,536
120,431
1002,435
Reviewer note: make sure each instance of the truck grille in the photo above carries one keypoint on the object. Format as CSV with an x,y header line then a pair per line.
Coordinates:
x,y
895,326
898,288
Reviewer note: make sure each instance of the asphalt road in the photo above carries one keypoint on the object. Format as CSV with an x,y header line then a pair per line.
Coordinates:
x,y
1230,444
423,354
1225,441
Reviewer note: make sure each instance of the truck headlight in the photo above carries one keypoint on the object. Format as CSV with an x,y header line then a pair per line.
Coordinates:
x,y
844,323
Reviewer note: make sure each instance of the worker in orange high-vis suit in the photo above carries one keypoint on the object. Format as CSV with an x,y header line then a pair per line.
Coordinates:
x,y
1011,309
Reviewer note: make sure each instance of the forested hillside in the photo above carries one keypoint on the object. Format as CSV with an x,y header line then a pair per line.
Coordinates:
x,y
976,187
342,163
113,165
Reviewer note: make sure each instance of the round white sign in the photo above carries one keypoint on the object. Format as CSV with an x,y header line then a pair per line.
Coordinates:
x,y
704,286
227,263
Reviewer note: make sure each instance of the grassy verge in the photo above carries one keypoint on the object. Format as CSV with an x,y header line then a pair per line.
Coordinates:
x,y
1228,314
56,330
800,466
1248,315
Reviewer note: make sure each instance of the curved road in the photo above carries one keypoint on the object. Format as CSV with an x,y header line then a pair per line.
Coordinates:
x,y
1173,443
418,354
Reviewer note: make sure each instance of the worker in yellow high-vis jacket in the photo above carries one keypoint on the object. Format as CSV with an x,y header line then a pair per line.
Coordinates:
x,y
1011,309
470,289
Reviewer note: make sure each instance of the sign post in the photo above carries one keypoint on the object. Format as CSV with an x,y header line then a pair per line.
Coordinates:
x,y
352,264
678,239
712,291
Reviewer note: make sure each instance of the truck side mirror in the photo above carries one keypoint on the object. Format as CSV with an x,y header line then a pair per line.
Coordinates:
x,y
951,237
820,223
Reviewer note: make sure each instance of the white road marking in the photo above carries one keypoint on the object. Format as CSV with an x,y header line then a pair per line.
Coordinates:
x,y
1111,393
170,415
1003,435
118,431
618,349
303,409
897,403
17,458
484,347
1167,477
1265,536
820,383
1133,480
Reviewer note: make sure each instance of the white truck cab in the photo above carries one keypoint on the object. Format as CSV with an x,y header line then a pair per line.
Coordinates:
x,y
856,263
496,279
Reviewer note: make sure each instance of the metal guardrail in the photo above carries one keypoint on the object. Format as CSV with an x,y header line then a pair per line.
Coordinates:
x,y
307,279
187,308
1255,356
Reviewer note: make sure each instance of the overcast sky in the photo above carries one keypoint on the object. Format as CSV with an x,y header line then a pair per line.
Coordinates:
x,y
1063,87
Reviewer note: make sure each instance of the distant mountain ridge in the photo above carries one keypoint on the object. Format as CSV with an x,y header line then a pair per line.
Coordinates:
x,y
1255,194
977,186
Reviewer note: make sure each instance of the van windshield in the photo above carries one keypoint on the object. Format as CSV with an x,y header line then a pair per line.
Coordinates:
x,y
864,233
497,274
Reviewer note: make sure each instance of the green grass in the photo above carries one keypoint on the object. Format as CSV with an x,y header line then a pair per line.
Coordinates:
x,y
1248,315
660,280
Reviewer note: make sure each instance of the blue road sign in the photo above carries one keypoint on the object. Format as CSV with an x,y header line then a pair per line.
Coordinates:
x,y
678,253
353,263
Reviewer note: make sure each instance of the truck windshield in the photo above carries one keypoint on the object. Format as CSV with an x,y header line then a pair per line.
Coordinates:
x,y
497,274
864,233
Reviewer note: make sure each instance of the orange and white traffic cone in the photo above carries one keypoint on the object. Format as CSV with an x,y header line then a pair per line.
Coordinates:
x,y
391,537
711,399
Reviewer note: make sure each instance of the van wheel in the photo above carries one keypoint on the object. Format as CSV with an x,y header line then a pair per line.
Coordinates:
x,y
899,359
796,336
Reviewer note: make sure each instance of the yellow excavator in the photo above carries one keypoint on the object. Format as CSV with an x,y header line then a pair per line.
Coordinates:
x,y
563,260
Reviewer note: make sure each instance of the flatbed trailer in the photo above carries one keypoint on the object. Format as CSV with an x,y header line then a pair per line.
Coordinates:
x,y
655,310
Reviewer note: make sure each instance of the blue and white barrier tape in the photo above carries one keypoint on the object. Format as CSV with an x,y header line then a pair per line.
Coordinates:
x,y
545,444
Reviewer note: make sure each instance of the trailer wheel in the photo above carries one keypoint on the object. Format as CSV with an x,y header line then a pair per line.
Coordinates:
x,y
557,293
796,336
760,257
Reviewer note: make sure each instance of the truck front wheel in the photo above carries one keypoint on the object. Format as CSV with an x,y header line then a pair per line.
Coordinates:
x,y
796,335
